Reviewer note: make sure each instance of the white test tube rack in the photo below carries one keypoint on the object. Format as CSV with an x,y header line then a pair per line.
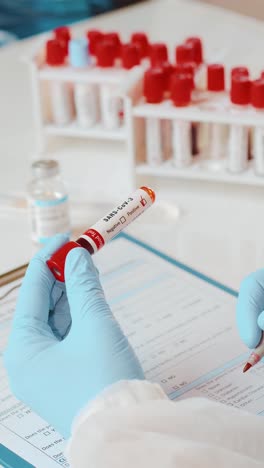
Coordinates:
x,y
135,114
197,170
123,81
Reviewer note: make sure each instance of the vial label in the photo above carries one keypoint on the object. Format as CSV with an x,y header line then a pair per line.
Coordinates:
x,y
86,104
49,217
61,102
112,108
115,221
259,150
238,148
181,142
154,148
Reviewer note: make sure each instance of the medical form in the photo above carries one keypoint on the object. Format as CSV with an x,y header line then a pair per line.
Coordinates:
x,y
181,326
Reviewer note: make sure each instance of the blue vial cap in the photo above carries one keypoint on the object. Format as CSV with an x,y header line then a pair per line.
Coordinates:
x,y
78,53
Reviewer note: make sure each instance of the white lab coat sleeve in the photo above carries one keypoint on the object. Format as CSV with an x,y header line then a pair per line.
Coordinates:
x,y
134,425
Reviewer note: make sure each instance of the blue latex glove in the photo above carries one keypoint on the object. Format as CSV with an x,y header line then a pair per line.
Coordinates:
x,y
57,376
250,309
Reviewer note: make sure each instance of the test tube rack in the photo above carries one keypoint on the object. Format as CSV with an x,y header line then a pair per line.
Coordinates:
x,y
205,113
136,111
123,80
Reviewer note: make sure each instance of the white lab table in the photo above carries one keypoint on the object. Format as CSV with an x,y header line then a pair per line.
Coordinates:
x,y
220,230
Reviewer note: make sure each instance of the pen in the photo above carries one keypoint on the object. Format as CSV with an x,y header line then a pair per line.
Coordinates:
x,y
255,356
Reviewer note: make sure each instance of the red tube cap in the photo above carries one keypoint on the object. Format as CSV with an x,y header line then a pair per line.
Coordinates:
x,y
141,39
105,54
62,33
184,53
241,71
185,68
154,85
181,88
55,53
197,45
257,94
168,70
130,56
215,77
115,39
57,261
158,53
240,90
94,36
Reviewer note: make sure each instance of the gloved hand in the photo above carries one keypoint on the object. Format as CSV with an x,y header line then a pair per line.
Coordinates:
x,y
56,377
250,309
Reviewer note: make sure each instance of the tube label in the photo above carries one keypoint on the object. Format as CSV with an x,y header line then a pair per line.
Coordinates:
x,y
116,220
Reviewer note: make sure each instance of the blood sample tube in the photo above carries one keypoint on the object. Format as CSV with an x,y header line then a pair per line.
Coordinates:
x,y
60,92
63,34
115,39
154,93
257,101
105,229
181,129
141,39
217,132
85,94
241,71
111,103
238,136
94,37
184,53
158,54
168,70
197,45
188,68
130,56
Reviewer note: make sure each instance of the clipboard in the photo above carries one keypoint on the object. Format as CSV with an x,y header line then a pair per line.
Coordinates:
x,y
13,275
9,459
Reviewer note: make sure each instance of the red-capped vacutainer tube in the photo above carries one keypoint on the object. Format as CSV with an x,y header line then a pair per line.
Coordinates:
x,y
105,229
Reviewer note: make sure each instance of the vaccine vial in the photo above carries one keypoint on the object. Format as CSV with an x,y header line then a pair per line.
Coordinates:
x,y
111,102
86,98
181,87
153,91
257,101
61,98
47,201
238,134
